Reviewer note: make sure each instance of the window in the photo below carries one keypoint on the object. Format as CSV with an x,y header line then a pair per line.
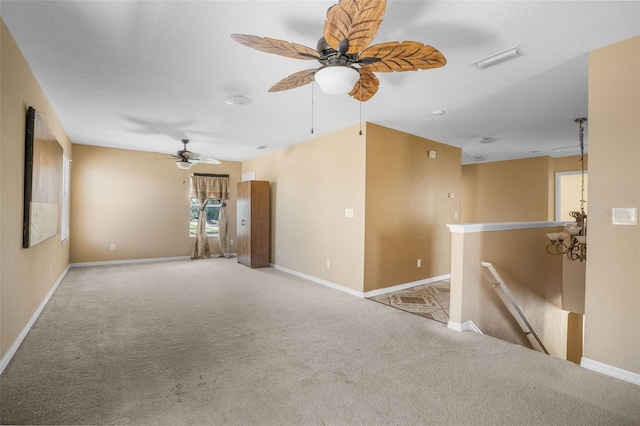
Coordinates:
x,y
568,188
212,210
212,185
64,229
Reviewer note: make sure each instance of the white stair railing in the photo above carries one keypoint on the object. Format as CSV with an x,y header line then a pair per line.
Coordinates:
x,y
507,298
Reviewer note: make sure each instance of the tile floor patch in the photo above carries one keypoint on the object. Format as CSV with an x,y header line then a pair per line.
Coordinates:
x,y
429,300
413,300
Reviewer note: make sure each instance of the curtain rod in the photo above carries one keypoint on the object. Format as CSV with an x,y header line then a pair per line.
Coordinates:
x,y
210,175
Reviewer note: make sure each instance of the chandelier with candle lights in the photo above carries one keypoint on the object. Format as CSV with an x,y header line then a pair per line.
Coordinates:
x,y
573,242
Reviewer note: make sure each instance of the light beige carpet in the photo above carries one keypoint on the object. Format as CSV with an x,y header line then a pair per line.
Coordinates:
x,y
214,342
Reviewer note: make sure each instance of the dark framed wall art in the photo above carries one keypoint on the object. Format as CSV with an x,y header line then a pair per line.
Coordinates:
x,y
42,182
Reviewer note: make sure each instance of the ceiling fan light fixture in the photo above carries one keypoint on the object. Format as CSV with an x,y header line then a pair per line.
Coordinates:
x,y
487,139
184,165
337,79
498,58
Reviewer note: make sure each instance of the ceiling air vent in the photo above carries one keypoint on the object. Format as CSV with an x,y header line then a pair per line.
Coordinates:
x,y
498,58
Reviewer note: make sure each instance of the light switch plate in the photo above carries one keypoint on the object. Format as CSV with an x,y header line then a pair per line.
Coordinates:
x,y
624,216
348,213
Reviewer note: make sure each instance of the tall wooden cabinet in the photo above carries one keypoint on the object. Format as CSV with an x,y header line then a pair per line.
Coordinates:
x,y
253,223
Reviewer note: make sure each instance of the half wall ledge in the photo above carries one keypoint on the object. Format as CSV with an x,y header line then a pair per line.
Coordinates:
x,y
464,228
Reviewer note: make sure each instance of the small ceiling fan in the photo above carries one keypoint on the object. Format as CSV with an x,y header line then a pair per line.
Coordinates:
x,y
186,158
347,63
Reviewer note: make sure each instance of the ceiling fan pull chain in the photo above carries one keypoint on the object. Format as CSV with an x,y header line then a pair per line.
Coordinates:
x,y
311,108
360,133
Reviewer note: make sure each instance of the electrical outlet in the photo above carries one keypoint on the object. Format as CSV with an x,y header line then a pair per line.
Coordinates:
x,y
231,241
278,252
419,263
113,246
328,264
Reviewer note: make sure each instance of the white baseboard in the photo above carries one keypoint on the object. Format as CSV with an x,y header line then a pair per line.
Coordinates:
x,y
356,292
4,361
122,262
610,370
399,287
465,326
319,281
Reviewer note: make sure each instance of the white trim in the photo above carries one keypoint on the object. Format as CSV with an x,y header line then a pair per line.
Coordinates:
x,y
465,326
406,285
610,370
8,355
121,262
464,228
65,202
319,281
357,293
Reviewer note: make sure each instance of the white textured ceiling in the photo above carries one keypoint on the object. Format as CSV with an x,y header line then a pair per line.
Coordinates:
x,y
144,74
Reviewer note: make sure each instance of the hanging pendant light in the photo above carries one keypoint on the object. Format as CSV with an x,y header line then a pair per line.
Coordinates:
x,y
576,236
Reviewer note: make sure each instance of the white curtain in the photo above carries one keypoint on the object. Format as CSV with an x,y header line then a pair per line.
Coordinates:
x,y
204,188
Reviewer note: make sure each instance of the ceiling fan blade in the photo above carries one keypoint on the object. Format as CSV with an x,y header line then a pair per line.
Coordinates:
x,y
277,47
205,160
356,21
367,60
167,156
402,56
366,87
297,79
192,155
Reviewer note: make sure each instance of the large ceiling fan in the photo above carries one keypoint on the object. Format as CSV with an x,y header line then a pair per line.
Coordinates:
x,y
186,158
347,63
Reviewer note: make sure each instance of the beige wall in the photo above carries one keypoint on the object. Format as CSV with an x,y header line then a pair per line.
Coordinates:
x,y
26,275
399,197
506,191
312,184
533,277
572,163
573,285
513,191
137,201
408,207
612,328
